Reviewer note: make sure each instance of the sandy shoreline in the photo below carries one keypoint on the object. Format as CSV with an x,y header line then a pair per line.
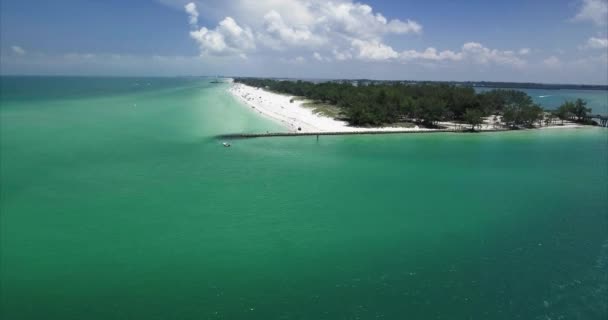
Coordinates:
x,y
290,113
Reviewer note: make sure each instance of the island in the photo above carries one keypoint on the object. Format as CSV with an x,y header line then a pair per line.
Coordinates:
x,y
306,107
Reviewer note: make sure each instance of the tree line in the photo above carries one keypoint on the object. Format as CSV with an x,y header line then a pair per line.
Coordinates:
x,y
425,103
576,111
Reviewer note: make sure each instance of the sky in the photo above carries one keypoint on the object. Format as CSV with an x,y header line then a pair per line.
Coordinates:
x,y
550,41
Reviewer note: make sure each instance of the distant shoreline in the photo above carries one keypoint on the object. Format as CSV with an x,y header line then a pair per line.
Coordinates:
x,y
289,112
476,84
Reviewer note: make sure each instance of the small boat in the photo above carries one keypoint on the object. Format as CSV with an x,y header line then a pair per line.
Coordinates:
x,y
226,144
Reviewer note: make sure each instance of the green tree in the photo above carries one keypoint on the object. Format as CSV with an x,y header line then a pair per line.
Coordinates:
x,y
431,110
374,102
580,109
565,111
530,114
491,101
474,117
460,99
510,116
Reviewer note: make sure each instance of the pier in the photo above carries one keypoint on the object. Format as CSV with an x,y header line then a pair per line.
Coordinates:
x,y
300,134
602,120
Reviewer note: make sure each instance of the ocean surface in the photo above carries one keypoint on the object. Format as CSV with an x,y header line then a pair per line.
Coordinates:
x,y
597,100
117,202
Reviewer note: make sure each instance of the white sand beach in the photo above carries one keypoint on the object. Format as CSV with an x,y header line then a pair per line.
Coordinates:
x,y
291,113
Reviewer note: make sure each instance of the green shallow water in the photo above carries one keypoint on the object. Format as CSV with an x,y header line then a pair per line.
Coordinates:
x,y
118,203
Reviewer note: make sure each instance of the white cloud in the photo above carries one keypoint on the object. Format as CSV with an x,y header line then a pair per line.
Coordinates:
x,y
359,20
18,50
524,51
251,12
192,13
227,38
329,31
482,55
341,55
597,43
305,24
595,11
319,57
552,62
373,50
295,36
431,54
471,51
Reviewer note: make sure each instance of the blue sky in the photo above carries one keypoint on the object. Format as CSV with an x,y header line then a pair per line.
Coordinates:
x,y
557,41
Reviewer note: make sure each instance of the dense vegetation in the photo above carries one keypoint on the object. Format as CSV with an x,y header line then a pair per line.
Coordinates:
x,y
377,104
574,111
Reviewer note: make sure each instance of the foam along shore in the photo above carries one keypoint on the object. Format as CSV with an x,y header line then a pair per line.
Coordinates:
x,y
296,118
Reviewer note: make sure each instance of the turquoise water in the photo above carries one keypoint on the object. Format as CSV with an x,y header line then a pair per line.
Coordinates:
x,y
597,100
117,202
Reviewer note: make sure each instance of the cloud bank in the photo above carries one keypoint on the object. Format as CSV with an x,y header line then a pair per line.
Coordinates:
x,y
328,31
340,38
597,43
192,13
347,28
595,11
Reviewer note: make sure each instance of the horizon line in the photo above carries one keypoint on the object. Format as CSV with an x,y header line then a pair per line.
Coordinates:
x,y
300,78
